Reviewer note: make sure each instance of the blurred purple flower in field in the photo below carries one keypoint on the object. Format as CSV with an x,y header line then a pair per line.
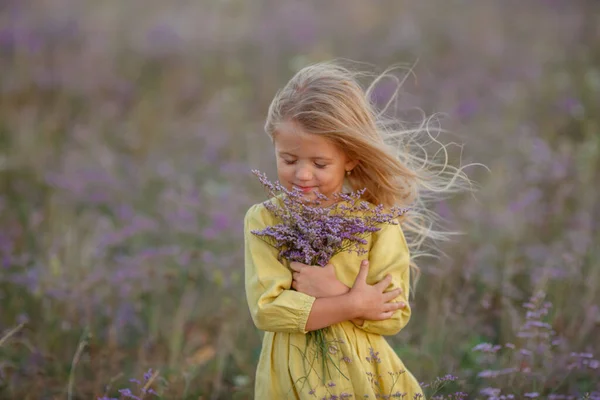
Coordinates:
x,y
219,224
138,224
467,108
127,316
383,92
63,29
295,23
23,318
487,348
128,394
6,245
184,220
29,279
163,40
571,105
492,393
303,29
208,257
221,221
540,151
443,210
234,168
92,184
560,167
30,41
141,387
525,200
7,39
124,212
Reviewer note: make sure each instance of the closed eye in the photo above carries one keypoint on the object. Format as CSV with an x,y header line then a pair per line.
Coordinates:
x,y
320,166
289,162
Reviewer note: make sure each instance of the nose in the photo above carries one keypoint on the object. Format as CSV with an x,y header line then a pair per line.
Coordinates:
x,y
303,173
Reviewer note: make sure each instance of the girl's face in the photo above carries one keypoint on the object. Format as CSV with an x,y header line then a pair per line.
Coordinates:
x,y
309,162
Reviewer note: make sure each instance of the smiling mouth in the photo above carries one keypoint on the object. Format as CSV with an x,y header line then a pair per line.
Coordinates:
x,y
305,189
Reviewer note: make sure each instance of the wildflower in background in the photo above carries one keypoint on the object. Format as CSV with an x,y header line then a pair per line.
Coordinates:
x,y
144,387
537,364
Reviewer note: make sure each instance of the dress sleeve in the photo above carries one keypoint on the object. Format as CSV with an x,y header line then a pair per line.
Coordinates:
x,y
389,254
273,306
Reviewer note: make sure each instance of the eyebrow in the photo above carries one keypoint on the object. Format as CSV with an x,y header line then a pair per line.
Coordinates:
x,y
285,153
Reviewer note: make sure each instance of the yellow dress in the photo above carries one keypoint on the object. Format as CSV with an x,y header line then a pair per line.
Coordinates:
x,y
362,364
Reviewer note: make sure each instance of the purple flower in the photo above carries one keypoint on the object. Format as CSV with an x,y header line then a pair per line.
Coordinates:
x,y
487,348
148,375
467,108
311,234
128,394
374,356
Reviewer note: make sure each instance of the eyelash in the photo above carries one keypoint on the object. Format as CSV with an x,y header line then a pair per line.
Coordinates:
x,y
319,166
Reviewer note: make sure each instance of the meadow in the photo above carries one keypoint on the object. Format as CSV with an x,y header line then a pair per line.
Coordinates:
x,y
128,131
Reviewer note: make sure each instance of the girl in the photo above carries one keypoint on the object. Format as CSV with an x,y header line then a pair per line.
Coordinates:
x,y
328,138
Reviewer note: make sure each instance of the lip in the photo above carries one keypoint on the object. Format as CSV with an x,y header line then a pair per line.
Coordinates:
x,y
305,189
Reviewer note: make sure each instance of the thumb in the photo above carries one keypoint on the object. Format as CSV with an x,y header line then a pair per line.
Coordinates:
x,y
362,272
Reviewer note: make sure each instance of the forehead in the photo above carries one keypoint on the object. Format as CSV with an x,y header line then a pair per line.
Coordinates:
x,y
290,138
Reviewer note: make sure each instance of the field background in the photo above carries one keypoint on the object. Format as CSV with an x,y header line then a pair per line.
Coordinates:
x,y
127,135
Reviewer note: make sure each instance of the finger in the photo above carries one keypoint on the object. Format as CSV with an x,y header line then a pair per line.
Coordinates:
x,y
385,315
393,306
391,295
294,285
295,275
362,272
296,266
384,283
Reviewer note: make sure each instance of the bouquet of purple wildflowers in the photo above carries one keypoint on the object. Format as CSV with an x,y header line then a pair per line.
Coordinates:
x,y
311,234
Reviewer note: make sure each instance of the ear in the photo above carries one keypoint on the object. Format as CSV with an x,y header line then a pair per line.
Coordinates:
x,y
349,166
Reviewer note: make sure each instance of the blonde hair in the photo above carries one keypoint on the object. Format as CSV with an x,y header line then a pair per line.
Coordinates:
x,y
394,168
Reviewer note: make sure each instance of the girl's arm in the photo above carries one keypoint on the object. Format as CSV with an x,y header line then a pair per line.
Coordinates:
x,y
389,255
320,282
273,306
363,301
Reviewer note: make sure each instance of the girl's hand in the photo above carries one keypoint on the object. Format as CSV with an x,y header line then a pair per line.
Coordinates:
x,y
317,281
370,301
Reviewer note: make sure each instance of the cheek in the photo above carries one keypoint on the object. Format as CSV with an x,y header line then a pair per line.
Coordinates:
x,y
331,179
285,172
281,166
335,175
